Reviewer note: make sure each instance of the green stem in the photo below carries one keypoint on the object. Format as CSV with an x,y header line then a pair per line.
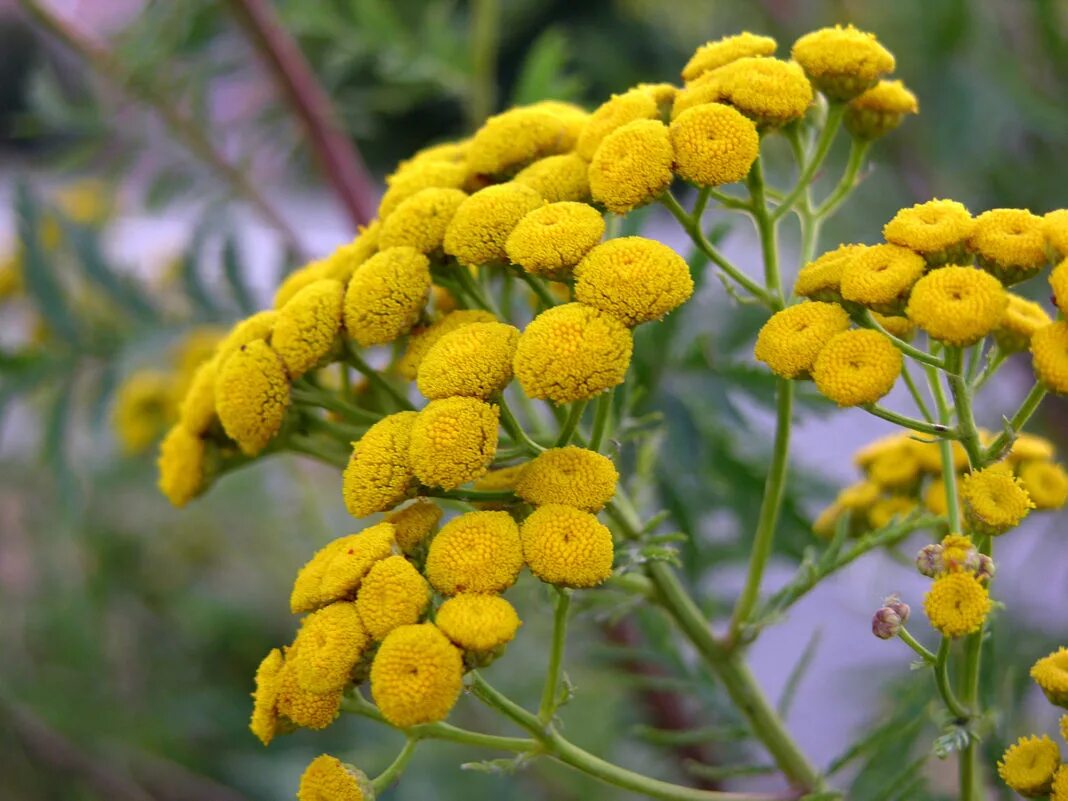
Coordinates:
x,y
868,321
949,471
931,429
916,646
823,146
537,286
375,378
484,25
340,431
474,293
394,771
941,668
857,151
917,396
971,786
962,398
473,496
994,361
768,230
602,412
325,400
512,426
1016,422
571,423
309,446
551,690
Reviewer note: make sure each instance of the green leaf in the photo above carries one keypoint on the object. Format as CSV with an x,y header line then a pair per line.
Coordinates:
x,y
235,276
41,282
543,72
119,289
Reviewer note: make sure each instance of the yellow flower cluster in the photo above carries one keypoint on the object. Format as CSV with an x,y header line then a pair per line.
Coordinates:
x,y
1032,765
327,778
995,501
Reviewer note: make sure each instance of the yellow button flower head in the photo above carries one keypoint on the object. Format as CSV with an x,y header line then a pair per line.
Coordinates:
x,y
1049,354
474,361
957,604
792,338
454,152
1010,243
886,510
379,473
298,279
897,469
516,137
342,263
957,305
328,646
881,276
412,524
934,497
567,546
1059,789
302,707
481,226
477,622
1022,319
571,476
264,722
841,61
1046,483
197,409
453,441
1058,282
422,339
822,279
572,352
994,500
257,326
551,240
938,230
336,569
959,554
634,104
144,407
857,367
768,91
1031,447
714,144
386,295
426,175
859,496
252,396
1028,765
416,675
181,465
392,594
557,178
308,325
1055,227
713,55
327,778
1051,674
421,220
632,166
476,552
880,110
634,279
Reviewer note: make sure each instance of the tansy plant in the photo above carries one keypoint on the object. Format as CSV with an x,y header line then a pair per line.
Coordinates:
x,y
464,365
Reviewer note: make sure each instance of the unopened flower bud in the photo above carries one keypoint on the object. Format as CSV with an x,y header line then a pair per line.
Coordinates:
x,y
885,623
899,607
985,569
929,560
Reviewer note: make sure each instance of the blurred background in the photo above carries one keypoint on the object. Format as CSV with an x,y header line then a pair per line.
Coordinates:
x,y
159,175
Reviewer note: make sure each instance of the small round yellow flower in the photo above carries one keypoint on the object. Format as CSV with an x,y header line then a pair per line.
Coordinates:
x,y
713,55
257,326
896,470
478,622
841,61
994,500
768,91
328,646
264,722
1051,674
342,263
886,510
144,407
558,178
957,305
957,604
1055,227
413,524
572,352
426,175
481,226
416,675
1022,319
252,396
392,594
327,778
714,144
857,367
308,325
880,110
1028,765
859,496
335,571
571,476
379,473
792,338
567,546
298,279
516,137
822,279
934,497
474,361
302,707
1059,788
453,441
386,295
1058,282
423,339
1031,447
1046,483
421,220
937,229
451,152
826,521
881,276
959,554
476,552
1010,243
551,240
197,409
614,113
1049,355
891,443
632,166
634,279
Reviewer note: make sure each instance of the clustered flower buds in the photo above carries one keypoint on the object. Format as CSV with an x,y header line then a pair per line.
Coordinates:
x,y
890,617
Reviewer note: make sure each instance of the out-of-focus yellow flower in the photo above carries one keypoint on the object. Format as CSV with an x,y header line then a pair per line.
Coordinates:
x,y
516,137
425,175
264,722
421,220
1051,675
1058,282
181,465
328,646
631,166
994,500
886,510
1022,319
501,479
386,295
822,279
252,396
792,338
10,275
481,226
474,361
558,178
335,571
549,241
1010,243
416,675
423,339
957,305
329,779
881,276
880,110
303,707
453,441
1049,356
1028,765
86,202
842,61
308,325
476,552
379,473
713,55
571,476
896,469
859,496
957,604
144,408
937,229
195,348
714,144
1055,227
255,327
197,408
857,367
413,524
634,104
1046,483
566,546
392,594
478,622
1030,447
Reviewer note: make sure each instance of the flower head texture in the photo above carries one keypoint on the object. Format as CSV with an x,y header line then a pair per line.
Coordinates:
x,y
1031,447
481,226
1058,282
1022,319
842,61
768,91
857,367
572,352
413,524
474,361
566,546
423,339
1046,483
327,778
549,241
252,396
392,593
564,177
476,552
197,409
308,325
633,279
516,137
614,113
328,646
1011,243
1049,355
957,604
264,722
1028,765
571,476
386,295
421,220
881,276
713,55
478,622
880,110
1055,227
416,675
631,166
994,500
257,326
1051,675
453,441
144,405
335,571
302,707
932,228
417,177
792,338
957,305
714,144
379,473
822,279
